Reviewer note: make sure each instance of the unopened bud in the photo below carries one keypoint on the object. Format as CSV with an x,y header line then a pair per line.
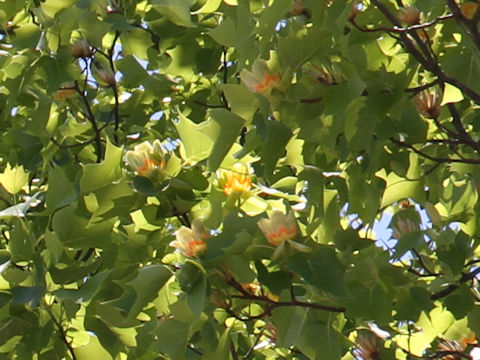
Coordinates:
x,y
410,15
81,49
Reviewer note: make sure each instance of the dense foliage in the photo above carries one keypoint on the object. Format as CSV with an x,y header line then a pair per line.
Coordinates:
x,y
205,179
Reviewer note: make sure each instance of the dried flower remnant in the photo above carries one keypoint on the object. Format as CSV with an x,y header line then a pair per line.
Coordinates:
x,y
298,8
469,9
367,347
405,221
427,103
404,227
235,181
80,49
191,241
326,74
106,75
261,79
148,160
409,15
451,346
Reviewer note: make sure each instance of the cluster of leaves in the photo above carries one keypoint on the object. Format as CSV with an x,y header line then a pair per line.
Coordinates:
x,y
128,123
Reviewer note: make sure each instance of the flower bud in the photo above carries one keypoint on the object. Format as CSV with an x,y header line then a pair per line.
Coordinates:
x,y
409,15
80,49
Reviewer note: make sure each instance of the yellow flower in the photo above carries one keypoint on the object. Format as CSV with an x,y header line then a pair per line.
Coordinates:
x,y
261,79
191,242
236,180
147,160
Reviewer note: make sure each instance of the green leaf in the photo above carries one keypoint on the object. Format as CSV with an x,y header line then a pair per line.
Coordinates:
x,y
209,7
96,176
273,148
376,303
75,230
172,336
177,11
321,269
460,302
149,280
195,146
242,101
92,350
223,129
133,72
451,94
61,191
30,296
13,179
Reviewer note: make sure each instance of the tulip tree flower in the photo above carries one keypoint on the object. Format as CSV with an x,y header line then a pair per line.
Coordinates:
x,y
261,79
281,228
191,241
147,160
235,181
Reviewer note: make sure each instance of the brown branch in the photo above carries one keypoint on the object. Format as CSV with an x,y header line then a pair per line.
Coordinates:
x,y
399,30
245,295
63,334
457,123
434,158
91,118
452,287
420,88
